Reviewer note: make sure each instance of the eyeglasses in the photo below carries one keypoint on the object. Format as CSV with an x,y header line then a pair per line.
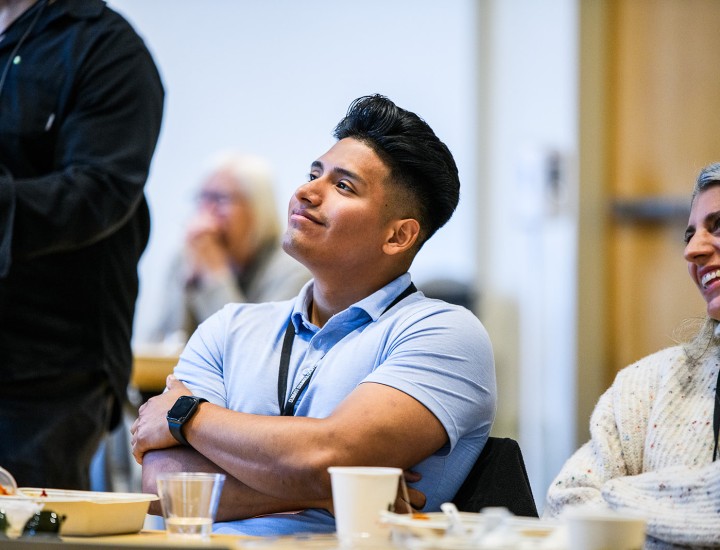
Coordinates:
x,y
217,198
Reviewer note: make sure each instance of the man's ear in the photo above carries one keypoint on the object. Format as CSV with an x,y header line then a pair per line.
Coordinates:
x,y
403,234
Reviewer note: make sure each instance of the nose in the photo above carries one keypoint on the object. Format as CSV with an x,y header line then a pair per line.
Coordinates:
x,y
213,208
309,192
698,248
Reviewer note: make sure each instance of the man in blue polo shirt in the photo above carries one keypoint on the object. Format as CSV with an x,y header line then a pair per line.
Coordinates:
x,y
359,369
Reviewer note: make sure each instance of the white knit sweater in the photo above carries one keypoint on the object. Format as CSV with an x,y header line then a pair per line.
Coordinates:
x,y
650,451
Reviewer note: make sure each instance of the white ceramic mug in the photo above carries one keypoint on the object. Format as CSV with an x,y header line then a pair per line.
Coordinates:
x,y
596,530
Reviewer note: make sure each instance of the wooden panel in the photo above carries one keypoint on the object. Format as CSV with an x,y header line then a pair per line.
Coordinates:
x,y
666,94
652,292
664,126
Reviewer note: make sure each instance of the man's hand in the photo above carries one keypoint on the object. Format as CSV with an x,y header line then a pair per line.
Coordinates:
x,y
409,500
150,430
237,501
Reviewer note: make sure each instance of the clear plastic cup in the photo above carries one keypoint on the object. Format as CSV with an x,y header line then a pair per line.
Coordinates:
x,y
7,483
189,502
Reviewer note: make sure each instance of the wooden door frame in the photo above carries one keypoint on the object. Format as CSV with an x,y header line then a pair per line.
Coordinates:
x,y
592,357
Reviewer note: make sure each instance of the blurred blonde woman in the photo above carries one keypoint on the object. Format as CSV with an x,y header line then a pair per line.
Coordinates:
x,y
654,433
231,250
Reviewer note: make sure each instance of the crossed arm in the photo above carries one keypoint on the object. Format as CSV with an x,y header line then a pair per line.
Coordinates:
x,y
679,500
279,463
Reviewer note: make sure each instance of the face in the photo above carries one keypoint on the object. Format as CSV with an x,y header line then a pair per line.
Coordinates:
x,y
340,217
702,250
220,199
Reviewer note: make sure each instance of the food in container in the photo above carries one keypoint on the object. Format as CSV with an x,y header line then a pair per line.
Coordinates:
x,y
87,513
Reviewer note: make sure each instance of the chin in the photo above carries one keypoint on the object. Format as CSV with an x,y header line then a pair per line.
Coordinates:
x,y
291,248
714,312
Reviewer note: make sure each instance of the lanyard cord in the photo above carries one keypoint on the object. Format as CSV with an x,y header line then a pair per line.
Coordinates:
x,y
716,418
288,409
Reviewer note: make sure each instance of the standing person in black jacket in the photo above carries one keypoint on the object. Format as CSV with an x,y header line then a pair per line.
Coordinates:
x,y
81,105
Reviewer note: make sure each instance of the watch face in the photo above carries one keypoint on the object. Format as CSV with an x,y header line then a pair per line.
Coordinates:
x,y
182,407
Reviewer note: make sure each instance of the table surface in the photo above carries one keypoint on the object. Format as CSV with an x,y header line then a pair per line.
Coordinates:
x,y
152,539
150,371
159,540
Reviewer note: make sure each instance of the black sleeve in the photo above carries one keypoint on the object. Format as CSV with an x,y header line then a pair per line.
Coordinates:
x,y
106,135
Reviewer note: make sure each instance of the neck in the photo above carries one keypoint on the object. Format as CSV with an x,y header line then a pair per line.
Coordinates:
x,y
332,297
327,302
10,10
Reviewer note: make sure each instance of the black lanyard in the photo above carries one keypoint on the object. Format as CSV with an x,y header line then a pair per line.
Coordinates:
x,y
288,409
716,417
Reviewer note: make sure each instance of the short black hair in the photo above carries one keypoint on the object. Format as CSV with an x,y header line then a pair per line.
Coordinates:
x,y
417,159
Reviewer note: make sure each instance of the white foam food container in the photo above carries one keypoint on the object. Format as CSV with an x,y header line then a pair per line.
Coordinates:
x,y
91,513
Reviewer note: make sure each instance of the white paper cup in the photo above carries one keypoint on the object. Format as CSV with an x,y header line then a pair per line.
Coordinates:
x,y
359,495
604,531
189,502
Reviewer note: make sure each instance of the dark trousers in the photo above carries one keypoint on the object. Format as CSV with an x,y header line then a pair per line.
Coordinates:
x,y
50,428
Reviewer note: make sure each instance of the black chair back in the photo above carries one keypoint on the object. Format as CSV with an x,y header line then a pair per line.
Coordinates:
x,y
498,478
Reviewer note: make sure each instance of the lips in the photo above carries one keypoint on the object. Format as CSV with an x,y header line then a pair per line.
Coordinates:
x,y
299,212
709,277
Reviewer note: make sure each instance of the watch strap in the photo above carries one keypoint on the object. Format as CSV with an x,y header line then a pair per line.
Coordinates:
x,y
176,424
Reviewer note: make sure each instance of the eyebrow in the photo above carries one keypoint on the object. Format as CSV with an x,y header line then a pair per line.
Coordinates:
x,y
341,171
709,219
689,232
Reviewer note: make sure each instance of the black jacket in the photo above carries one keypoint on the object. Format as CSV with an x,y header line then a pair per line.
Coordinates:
x,y
80,112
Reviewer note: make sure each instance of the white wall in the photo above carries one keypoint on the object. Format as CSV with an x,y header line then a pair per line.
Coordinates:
x,y
496,79
529,266
274,77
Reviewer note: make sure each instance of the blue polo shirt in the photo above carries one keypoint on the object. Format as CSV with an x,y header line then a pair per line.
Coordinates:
x,y
438,353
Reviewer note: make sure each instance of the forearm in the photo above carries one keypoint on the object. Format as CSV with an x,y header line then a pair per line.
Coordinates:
x,y
680,503
576,484
283,457
288,457
602,458
238,501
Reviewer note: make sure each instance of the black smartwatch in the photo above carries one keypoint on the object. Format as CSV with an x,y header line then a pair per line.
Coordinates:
x,y
181,412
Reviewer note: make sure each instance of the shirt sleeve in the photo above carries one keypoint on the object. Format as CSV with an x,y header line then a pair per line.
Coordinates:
x,y
104,145
442,357
7,220
200,366
618,428
581,478
681,503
